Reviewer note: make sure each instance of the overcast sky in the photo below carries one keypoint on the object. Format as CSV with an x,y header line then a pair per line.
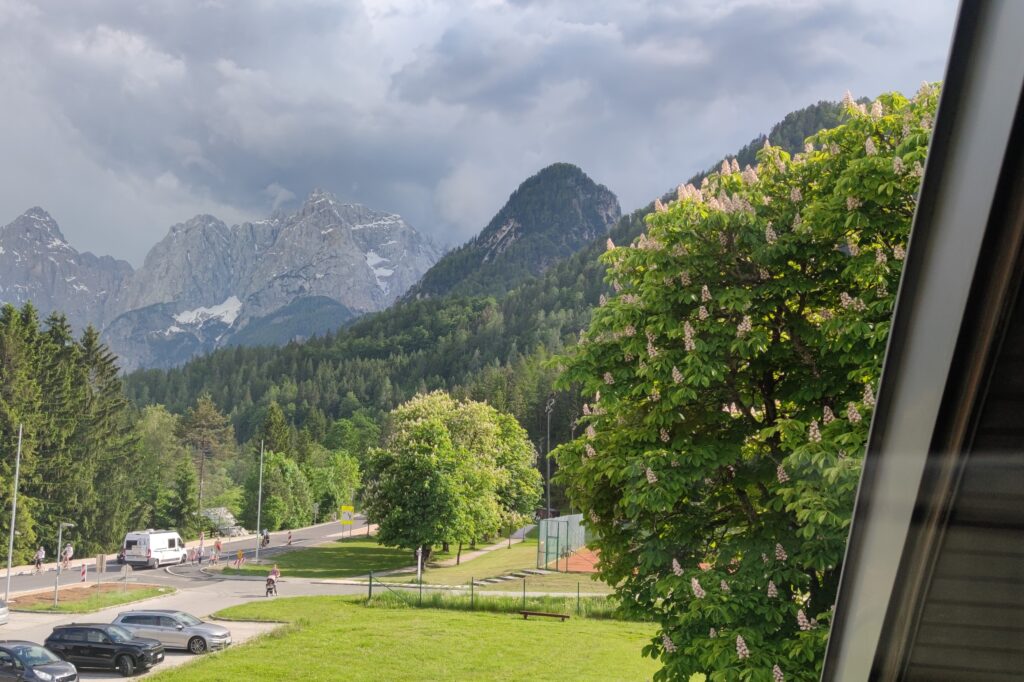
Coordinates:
x,y
122,118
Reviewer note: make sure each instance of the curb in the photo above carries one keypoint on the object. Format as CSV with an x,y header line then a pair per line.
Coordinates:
x,y
221,576
248,620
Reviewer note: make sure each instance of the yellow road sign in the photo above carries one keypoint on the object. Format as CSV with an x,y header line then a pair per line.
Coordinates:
x,y
348,513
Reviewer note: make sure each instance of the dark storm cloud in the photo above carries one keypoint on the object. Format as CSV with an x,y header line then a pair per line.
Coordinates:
x,y
124,117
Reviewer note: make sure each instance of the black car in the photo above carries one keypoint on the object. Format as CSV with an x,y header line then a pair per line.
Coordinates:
x,y
28,661
96,645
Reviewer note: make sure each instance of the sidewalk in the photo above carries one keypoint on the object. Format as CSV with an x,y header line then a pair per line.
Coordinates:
x,y
469,556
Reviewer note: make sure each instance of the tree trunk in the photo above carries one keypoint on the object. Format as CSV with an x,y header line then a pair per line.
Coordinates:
x,y
458,555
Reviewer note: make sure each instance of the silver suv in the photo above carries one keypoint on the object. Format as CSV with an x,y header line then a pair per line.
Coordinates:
x,y
175,629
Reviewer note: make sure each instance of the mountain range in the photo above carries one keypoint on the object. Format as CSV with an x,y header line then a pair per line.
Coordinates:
x,y
206,285
471,342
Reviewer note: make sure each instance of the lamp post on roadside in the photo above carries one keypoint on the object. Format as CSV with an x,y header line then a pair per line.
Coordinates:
x,y
60,557
259,508
547,457
572,429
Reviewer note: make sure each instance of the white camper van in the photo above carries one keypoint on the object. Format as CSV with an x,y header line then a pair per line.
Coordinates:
x,y
153,548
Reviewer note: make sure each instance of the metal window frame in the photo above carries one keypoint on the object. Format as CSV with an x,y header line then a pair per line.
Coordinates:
x,y
944,328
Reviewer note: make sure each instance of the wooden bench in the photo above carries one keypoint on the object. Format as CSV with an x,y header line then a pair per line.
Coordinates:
x,y
527,614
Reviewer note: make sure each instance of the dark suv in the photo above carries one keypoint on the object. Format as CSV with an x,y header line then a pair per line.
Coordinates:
x,y
104,646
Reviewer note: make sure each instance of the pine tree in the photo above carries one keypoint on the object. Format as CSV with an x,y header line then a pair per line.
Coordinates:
x,y
207,433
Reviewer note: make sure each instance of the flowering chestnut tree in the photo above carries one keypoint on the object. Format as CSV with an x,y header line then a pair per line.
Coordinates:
x,y
732,378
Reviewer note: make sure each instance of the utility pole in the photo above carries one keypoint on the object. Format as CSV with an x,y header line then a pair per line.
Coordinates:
x,y
60,557
259,508
203,447
14,516
547,457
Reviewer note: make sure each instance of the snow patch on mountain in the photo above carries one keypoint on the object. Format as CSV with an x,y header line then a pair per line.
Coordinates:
x,y
373,259
227,312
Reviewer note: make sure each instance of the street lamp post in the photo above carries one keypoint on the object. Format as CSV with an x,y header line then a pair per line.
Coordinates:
x,y
259,507
60,557
547,458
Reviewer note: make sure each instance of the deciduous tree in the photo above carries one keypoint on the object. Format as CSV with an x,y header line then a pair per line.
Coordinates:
x,y
732,376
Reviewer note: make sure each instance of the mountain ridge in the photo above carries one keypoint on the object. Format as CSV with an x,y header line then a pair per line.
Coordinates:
x,y
548,217
360,258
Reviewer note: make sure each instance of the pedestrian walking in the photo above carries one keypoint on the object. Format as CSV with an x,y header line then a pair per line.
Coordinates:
x,y
40,555
200,554
191,556
69,552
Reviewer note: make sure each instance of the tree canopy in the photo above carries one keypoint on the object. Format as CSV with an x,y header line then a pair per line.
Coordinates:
x,y
449,472
732,376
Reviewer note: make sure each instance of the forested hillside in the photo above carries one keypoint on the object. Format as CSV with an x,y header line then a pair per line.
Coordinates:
x,y
485,348
552,215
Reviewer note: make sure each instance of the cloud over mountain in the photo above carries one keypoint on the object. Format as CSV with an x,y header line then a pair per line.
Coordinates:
x,y
125,117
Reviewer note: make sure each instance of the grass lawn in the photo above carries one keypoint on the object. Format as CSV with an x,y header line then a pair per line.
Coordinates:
x,y
345,558
499,562
587,606
88,599
337,638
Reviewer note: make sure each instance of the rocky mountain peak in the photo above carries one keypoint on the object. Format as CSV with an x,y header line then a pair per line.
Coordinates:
x,y
550,216
38,265
37,226
202,221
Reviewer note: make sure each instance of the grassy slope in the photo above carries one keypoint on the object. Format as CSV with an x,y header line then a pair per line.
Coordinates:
x,y
500,562
341,559
338,639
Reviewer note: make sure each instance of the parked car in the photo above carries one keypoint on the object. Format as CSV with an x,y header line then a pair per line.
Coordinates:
x,y
28,661
98,645
175,629
153,548
5,613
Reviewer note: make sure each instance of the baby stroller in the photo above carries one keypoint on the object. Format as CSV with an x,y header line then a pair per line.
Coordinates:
x,y
271,586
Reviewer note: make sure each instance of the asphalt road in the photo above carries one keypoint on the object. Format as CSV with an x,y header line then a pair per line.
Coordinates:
x,y
302,537
198,593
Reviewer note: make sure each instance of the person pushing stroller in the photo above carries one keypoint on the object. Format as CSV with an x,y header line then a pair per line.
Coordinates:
x,y
272,578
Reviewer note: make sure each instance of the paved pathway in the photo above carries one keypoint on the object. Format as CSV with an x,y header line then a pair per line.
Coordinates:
x,y
469,556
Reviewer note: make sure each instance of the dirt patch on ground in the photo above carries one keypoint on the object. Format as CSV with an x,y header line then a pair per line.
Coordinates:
x,y
77,593
582,561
